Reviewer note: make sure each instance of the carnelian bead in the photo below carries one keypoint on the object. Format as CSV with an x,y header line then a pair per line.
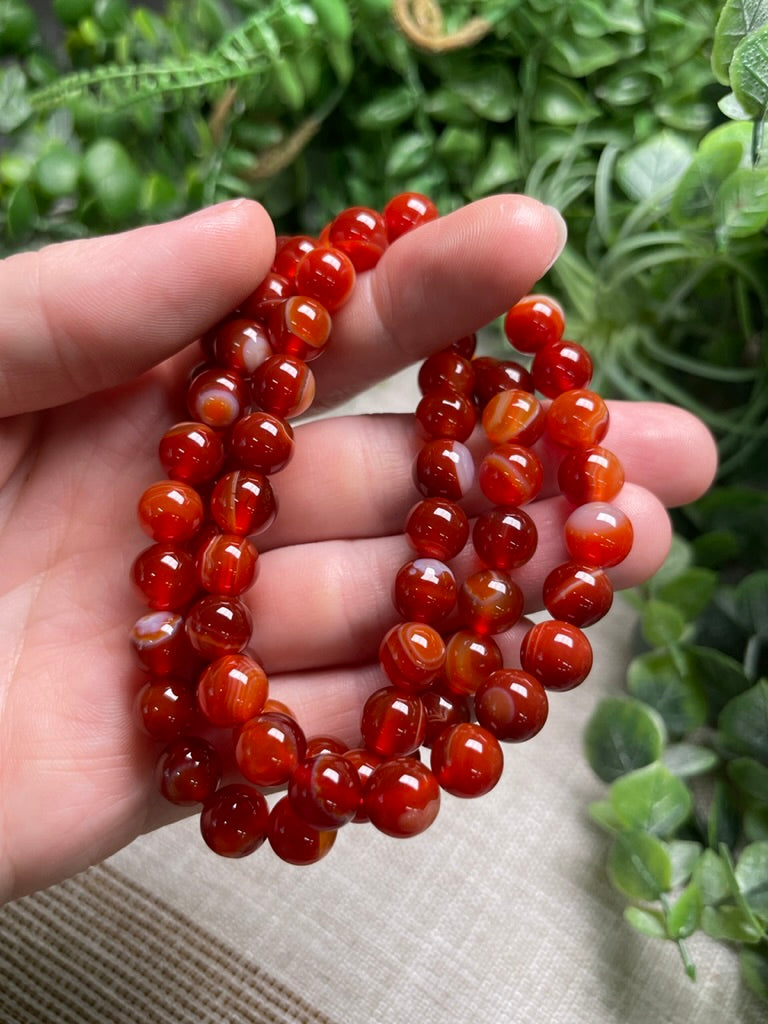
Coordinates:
x,y
561,367
278,706
326,275
577,594
231,690
188,771
467,760
590,474
165,576
510,475
493,376
513,415
166,708
412,654
161,644
234,821
512,705
437,528
402,797
243,502
407,211
217,625
393,722
504,537
262,442
270,293
191,452
534,322
598,534
170,511
290,252
447,369
325,745
444,469
577,419
361,234
425,590
217,397
227,564
293,840
469,659
443,708
241,345
446,414
325,791
284,386
465,346
489,601
557,653
269,747
300,327
363,761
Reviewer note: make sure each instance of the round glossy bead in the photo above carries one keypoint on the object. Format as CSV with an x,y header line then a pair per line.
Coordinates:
x,y
407,211
446,414
290,252
437,528
361,234
590,474
534,322
284,386
393,722
300,327
234,821
402,797
425,590
188,771
561,367
165,576
469,659
443,708
504,537
492,376
232,690
364,762
166,708
262,442
577,419
446,369
326,275
241,345
293,840
269,748
557,653
170,511
243,502
217,397
510,475
467,760
489,601
269,294
577,594
227,564
512,705
325,745
325,791
412,654
514,415
465,346
161,644
191,452
444,469
217,625
598,534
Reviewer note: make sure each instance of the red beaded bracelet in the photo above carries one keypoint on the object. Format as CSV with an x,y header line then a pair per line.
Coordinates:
x,y
443,689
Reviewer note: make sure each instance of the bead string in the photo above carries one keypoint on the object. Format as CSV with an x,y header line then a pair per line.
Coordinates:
x,y
445,688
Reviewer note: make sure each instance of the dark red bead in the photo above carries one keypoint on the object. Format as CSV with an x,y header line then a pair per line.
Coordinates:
x,y
561,367
504,537
402,797
232,690
577,419
446,369
270,293
598,534
510,475
515,416
493,376
293,840
443,708
262,442
393,722
170,511
227,564
557,653
489,601
300,327
290,252
590,474
188,771
243,502
467,760
444,469
469,659
327,275
234,821
534,322
407,211
465,346
217,397
191,452
437,528
361,234
363,761
577,594
217,625
161,644
325,745
412,654
446,414
512,705
325,791
165,576
284,386
241,345
425,590
166,708
269,748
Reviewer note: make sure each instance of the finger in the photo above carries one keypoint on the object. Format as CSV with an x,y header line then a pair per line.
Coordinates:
x,y
81,316
446,279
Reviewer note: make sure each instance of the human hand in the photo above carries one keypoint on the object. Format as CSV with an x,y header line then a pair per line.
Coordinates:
x,y
93,353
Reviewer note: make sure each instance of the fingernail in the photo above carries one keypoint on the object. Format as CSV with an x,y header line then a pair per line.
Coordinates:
x,y
562,234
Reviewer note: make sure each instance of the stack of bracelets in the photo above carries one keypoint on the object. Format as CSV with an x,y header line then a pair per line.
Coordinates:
x,y
444,689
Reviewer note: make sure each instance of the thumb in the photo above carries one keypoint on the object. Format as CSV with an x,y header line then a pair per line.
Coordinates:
x,y
81,316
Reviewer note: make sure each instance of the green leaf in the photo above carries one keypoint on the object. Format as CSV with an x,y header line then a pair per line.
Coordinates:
x,y
491,93
647,922
729,923
752,877
684,915
713,879
749,72
661,623
654,166
386,110
603,814
502,167
751,598
14,105
664,680
741,203
694,198
561,101
651,798
684,855
737,19
750,777
755,823
57,171
754,968
408,154
743,722
21,211
639,866
724,818
718,676
679,558
621,735
688,760
690,592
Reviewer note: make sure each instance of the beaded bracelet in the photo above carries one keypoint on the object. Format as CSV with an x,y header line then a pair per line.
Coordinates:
x,y
445,689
